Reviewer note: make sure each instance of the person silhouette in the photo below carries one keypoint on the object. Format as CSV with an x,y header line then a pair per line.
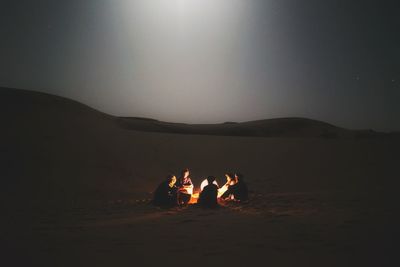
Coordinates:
x,y
238,190
208,197
166,193
230,180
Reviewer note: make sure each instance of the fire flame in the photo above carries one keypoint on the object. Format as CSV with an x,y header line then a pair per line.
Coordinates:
x,y
204,183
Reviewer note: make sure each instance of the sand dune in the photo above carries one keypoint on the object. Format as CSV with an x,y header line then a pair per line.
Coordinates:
x,y
284,127
75,183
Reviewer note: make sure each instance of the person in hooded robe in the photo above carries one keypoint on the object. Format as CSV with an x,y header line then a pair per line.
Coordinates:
x,y
166,193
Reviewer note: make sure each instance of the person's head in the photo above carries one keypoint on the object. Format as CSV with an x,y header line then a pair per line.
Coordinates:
x,y
210,179
171,179
185,173
239,177
229,177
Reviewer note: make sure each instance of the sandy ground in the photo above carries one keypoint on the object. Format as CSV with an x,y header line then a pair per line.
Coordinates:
x,y
286,229
76,187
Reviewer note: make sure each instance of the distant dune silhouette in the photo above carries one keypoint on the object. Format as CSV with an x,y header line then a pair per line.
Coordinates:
x,y
17,102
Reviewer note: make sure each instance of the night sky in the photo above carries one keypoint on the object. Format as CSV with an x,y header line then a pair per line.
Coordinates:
x,y
209,61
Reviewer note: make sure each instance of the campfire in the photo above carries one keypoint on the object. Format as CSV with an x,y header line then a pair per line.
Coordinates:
x,y
204,183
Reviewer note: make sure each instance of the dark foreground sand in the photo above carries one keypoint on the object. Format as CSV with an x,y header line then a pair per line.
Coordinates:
x,y
76,186
292,229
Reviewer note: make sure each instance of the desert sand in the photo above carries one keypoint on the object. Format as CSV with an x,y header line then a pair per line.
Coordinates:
x,y
76,185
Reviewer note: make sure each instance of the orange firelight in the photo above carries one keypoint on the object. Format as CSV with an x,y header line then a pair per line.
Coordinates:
x,y
196,193
194,198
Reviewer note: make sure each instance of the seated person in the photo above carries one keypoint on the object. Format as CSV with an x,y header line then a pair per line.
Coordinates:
x,y
238,190
230,180
166,192
185,188
205,183
208,197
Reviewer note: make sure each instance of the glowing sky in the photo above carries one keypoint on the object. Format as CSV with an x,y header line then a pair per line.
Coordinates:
x,y
210,60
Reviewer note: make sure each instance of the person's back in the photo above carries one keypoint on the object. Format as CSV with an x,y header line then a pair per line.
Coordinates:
x,y
208,197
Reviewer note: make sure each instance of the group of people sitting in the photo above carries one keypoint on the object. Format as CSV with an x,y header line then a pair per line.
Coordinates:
x,y
178,192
